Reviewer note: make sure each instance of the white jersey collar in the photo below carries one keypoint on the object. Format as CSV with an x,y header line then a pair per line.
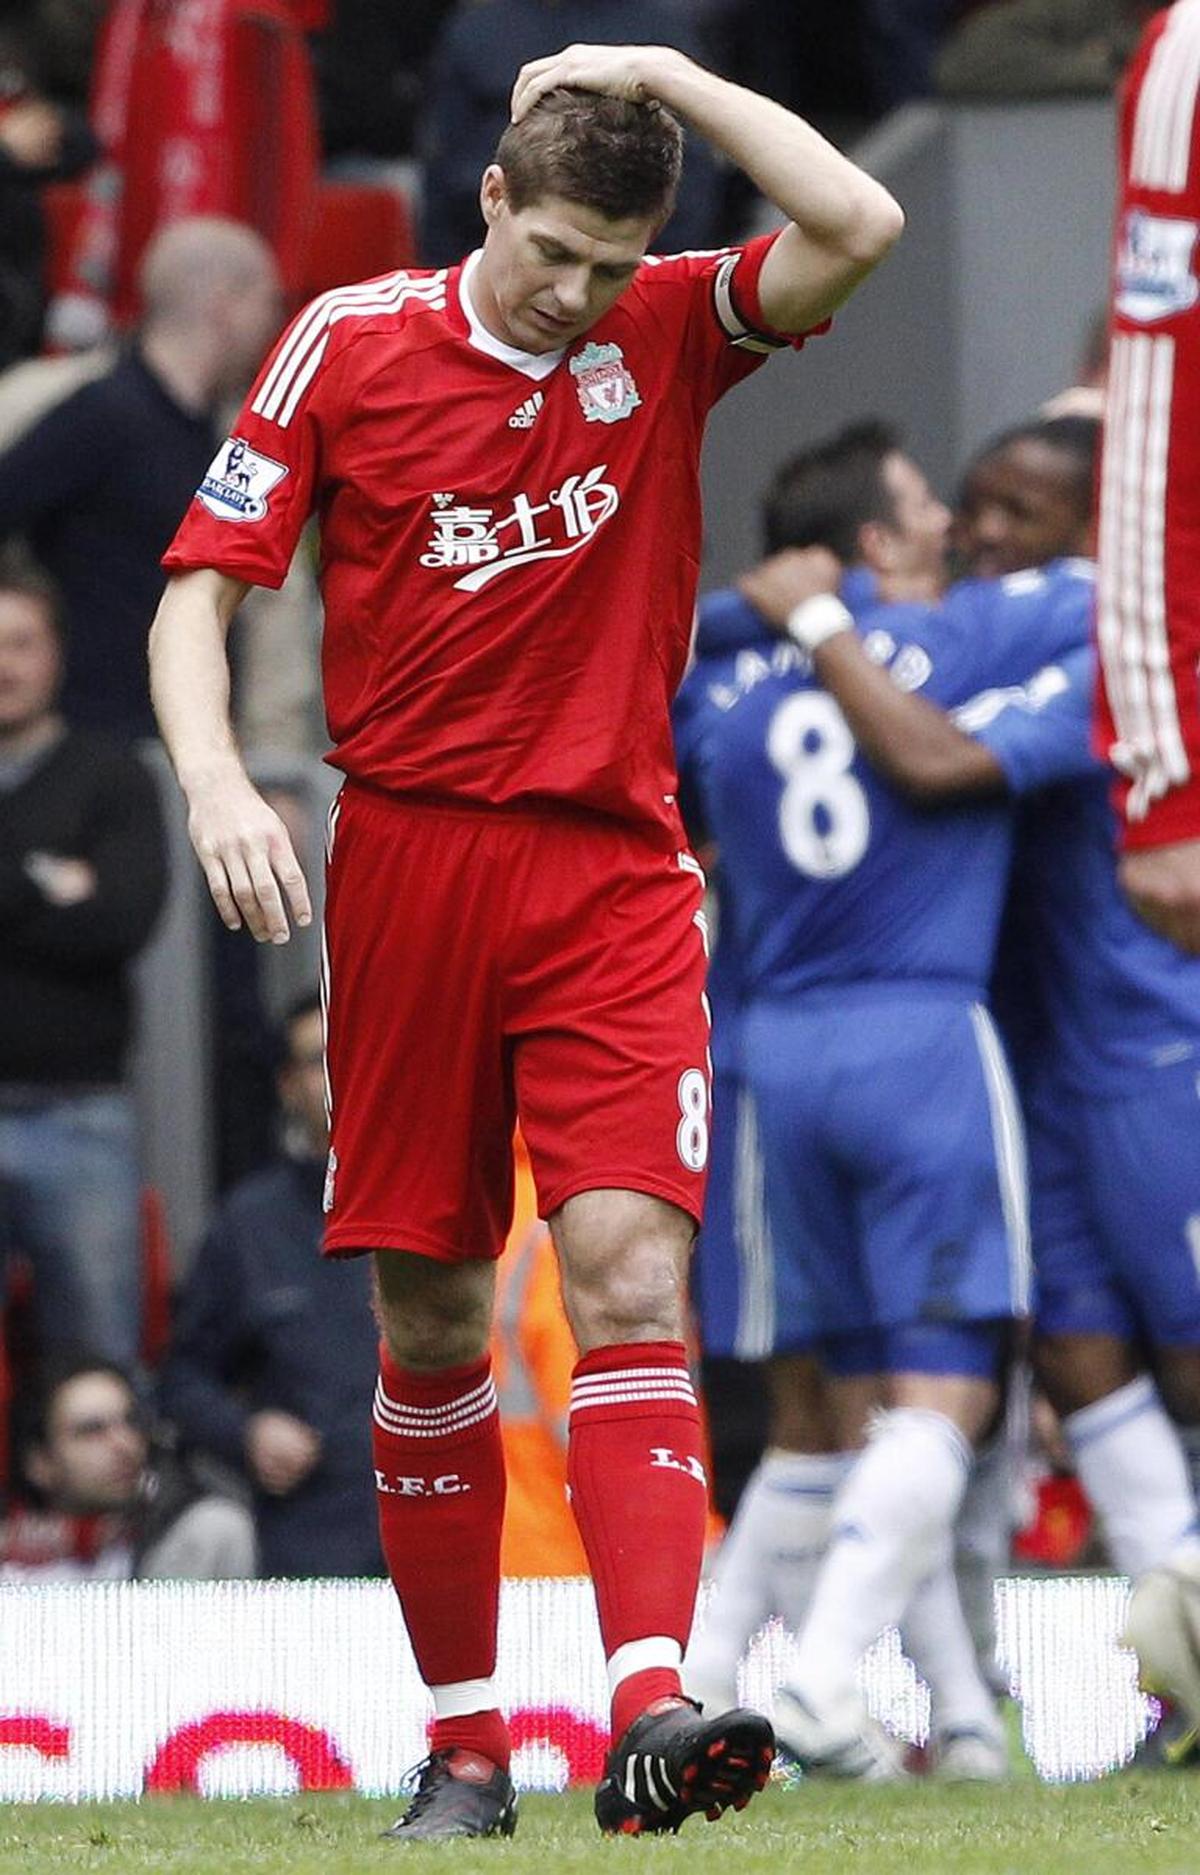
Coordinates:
x,y
535,365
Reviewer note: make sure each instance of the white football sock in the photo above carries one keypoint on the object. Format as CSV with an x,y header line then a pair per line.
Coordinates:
x,y
891,1524
1131,1464
939,1643
803,1486
771,1551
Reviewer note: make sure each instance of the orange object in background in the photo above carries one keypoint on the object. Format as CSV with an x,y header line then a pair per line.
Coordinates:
x,y
533,1353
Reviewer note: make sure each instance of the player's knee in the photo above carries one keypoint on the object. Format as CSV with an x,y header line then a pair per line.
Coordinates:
x,y
636,1298
623,1312
952,1368
433,1315
1076,1370
624,1269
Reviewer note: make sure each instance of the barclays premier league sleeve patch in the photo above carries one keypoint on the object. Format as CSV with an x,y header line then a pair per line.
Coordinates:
x,y
1156,267
239,481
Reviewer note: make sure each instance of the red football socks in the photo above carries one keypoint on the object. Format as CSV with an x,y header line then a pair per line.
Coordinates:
x,y
439,1478
640,1496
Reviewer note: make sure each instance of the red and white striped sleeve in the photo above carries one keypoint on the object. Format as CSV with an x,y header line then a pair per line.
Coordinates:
x,y
1148,591
263,483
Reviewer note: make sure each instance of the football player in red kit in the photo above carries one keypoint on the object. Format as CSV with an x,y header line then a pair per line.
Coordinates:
x,y
504,460
1148,599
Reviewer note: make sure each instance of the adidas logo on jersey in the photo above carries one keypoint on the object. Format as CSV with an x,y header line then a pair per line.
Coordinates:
x,y
526,416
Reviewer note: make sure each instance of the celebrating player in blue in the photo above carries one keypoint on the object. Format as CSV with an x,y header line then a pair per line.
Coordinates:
x,y
865,931
873,504
1110,1079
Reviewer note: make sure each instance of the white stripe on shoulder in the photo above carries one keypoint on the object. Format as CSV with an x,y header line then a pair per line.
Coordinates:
x,y
1182,109
1166,106
312,320
301,354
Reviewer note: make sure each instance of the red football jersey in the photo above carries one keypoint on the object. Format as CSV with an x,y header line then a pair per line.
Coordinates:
x,y
1148,596
509,543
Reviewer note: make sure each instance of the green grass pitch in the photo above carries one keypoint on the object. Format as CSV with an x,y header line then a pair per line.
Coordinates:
x,y
1135,1824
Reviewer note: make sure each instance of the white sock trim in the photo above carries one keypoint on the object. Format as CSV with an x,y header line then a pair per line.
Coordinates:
x,y
1115,1409
1133,1467
463,1697
657,1650
891,1419
808,1474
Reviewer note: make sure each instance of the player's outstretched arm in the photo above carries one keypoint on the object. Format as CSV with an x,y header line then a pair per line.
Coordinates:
x,y
242,844
905,737
843,222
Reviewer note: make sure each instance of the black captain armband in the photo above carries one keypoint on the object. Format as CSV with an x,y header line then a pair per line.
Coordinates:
x,y
737,330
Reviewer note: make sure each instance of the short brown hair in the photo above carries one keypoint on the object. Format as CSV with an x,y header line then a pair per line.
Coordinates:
x,y
609,154
825,495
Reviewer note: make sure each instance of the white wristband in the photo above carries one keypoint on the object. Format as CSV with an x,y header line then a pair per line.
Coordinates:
x,y
814,620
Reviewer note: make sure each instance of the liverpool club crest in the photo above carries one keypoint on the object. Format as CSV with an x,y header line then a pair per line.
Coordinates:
x,y
605,384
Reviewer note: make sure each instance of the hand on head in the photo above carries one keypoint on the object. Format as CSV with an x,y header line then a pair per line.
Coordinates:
x,y
614,70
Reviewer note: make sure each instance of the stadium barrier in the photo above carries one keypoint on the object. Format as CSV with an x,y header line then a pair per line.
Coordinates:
x,y
233,1689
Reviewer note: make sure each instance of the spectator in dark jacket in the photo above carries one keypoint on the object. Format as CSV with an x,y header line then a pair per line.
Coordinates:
x,y
82,878
273,1362
98,485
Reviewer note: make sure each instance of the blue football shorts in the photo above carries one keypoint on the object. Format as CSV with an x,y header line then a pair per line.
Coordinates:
x,y
1115,1209
893,1155
733,1284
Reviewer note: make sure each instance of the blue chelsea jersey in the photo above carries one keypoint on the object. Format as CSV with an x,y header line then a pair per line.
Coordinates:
x,y
730,636
833,877
1115,999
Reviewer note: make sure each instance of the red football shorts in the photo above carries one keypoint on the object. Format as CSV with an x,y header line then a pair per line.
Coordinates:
x,y
481,965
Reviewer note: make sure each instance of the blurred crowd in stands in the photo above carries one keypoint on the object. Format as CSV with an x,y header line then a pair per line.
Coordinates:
x,y
118,114
175,175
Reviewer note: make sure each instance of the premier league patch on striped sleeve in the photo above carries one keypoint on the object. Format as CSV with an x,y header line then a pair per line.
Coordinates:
x,y
1156,267
239,481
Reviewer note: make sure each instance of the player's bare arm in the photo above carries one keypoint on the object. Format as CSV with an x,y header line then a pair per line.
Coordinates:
x,y
242,844
1162,884
915,744
905,737
843,222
